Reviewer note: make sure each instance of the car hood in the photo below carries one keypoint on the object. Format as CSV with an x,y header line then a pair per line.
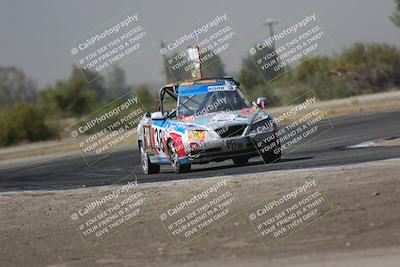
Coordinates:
x,y
222,119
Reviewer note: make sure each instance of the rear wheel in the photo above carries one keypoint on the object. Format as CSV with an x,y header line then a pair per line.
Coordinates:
x,y
240,161
271,156
178,168
147,166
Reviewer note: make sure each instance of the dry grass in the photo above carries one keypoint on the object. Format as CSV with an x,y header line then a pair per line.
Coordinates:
x,y
333,108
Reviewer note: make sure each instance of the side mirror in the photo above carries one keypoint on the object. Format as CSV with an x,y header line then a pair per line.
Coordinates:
x,y
262,102
157,116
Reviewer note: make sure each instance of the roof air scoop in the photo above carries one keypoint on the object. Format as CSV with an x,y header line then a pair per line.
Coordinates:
x,y
195,63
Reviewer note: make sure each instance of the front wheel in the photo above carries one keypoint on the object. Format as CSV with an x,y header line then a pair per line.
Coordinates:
x,y
240,161
147,166
271,157
173,154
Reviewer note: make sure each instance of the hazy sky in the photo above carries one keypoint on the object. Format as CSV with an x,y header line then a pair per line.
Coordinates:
x,y
34,33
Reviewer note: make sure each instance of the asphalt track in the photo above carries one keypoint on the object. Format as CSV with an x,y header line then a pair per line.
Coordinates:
x,y
329,149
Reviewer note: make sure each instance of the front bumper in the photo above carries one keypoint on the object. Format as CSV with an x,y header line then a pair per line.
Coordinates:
x,y
228,148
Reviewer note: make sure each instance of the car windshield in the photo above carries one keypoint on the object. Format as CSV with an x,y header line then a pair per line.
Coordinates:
x,y
209,102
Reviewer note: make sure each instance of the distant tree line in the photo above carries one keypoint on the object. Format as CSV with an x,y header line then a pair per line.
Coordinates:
x,y
359,69
395,18
15,87
29,114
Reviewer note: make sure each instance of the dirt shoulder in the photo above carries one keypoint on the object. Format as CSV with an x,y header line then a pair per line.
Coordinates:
x,y
381,102
353,105
362,229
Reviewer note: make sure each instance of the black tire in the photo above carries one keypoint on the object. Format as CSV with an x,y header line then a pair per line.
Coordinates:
x,y
271,157
178,168
240,161
268,156
147,166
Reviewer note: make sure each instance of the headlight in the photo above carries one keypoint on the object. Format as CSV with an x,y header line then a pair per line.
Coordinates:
x,y
197,135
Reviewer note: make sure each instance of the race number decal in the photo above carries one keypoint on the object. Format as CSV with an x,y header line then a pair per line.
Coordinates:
x,y
147,137
158,139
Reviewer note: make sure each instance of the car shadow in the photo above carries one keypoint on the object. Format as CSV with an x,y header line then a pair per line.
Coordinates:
x,y
253,163
228,168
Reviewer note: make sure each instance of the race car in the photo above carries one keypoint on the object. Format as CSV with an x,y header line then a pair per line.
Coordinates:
x,y
206,120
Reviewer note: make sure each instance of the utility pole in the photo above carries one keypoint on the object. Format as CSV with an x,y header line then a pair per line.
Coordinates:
x,y
195,59
270,24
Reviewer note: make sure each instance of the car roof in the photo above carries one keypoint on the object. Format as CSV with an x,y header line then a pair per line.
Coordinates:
x,y
188,88
213,80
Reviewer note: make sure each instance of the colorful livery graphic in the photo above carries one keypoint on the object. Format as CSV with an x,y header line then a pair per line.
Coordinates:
x,y
202,121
